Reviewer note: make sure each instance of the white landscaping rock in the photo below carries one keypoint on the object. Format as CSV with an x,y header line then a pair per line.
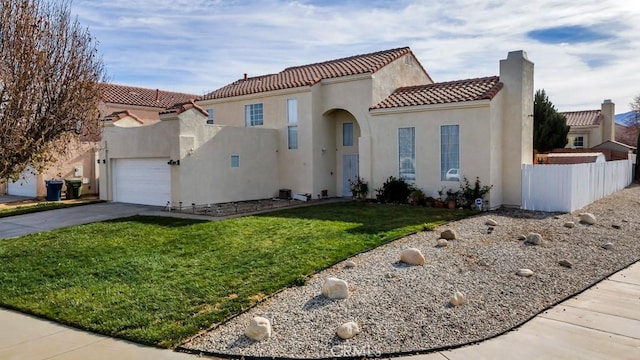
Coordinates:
x,y
259,329
442,243
534,239
569,224
587,218
608,246
524,272
412,256
491,222
334,288
348,330
449,234
458,299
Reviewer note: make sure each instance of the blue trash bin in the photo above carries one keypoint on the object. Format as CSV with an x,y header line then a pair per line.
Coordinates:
x,y
54,190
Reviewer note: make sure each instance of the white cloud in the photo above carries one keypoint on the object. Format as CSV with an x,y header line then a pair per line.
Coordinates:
x,y
200,45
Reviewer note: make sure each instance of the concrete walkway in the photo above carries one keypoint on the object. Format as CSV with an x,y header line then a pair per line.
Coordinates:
x,y
601,323
19,225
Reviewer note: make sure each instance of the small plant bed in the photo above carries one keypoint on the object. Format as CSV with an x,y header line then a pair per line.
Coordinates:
x,y
13,209
241,207
159,281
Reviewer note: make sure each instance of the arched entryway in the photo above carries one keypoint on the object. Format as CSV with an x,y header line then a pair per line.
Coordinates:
x,y
346,135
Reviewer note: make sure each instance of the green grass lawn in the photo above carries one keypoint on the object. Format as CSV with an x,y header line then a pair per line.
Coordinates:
x,y
158,280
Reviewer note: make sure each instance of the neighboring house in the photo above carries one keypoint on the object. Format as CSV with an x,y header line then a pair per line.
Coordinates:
x,y
124,106
627,135
589,128
315,128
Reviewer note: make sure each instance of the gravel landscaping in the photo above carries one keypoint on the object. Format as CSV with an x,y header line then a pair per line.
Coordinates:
x,y
404,309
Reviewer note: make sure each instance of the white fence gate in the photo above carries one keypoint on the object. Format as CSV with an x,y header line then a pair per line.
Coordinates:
x,y
567,188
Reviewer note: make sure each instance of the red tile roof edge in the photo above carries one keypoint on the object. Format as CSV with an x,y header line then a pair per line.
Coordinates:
x,y
133,95
179,108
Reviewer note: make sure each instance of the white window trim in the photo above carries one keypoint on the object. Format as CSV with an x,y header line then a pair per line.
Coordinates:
x,y
247,115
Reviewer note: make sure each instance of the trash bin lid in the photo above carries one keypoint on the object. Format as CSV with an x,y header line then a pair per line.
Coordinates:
x,y
53,182
73,180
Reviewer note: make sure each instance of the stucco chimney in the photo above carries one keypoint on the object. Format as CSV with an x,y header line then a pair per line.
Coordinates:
x,y
516,74
245,76
608,110
157,95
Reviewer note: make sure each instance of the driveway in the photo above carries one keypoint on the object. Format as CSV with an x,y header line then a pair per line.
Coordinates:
x,y
19,225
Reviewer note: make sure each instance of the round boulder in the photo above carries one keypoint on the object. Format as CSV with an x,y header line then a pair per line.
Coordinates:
x,y
534,239
449,234
349,264
412,256
442,243
569,224
334,288
259,329
348,330
458,299
491,222
524,272
587,218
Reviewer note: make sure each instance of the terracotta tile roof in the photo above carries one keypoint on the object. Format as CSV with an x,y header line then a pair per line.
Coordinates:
x,y
119,115
129,95
308,75
443,93
182,107
583,118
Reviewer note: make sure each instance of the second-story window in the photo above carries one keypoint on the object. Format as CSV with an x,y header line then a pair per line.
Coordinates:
x,y
253,114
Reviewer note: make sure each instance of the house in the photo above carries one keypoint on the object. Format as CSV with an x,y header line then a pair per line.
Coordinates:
x,y
124,106
589,128
314,128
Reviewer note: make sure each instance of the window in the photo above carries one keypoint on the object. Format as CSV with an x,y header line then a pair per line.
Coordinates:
x,y
209,116
450,153
347,134
578,142
292,111
292,118
407,153
292,137
235,161
253,114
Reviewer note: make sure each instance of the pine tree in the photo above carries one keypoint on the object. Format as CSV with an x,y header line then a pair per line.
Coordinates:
x,y
549,126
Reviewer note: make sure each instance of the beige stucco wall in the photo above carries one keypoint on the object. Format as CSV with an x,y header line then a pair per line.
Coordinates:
x,y
80,160
475,137
592,135
405,71
205,172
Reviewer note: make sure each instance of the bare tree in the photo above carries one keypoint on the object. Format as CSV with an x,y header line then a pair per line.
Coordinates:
x,y
49,83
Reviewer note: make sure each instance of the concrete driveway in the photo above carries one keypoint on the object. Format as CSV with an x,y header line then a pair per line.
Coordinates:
x,y
13,226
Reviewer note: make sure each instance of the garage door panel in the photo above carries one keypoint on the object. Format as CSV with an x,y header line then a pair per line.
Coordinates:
x,y
26,186
142,181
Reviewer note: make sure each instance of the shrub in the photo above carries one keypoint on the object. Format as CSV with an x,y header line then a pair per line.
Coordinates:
x,y
396,190
471,193
359,188
418,197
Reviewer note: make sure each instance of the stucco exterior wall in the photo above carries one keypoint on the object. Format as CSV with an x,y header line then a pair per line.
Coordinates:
x,y
405,71
496,149
592,135
80,162
475,135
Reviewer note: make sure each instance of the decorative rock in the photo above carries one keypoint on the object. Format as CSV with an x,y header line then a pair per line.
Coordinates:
x,y
616,226
534,239
608,246
491,222
449,234
259,329
565,263
522,237
349,264
442,243
412,256
569,224
334,288
348,330
458,299
524,272
557,217
587,218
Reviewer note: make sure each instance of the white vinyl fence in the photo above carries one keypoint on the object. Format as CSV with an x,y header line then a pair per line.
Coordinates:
x,y
567,188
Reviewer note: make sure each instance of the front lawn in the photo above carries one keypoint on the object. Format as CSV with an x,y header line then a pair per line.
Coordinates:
x,y
158,280
32,207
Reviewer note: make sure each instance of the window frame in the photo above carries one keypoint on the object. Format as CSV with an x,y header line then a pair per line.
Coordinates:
x,y
443,170
575,142
292,145
235,161
346,143
251,114
210,116
402,173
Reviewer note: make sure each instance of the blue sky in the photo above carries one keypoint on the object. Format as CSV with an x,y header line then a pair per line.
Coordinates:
x,y
584,51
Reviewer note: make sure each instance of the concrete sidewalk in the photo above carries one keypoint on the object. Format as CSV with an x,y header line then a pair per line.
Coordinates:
x,y
19,225
601,323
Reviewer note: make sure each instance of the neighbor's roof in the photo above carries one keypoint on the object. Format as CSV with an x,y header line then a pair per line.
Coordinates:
x,y
129,95
308,75
583,118
119,115
444,92
182,107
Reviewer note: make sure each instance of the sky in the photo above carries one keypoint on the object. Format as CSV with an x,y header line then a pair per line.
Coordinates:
x,y
584,51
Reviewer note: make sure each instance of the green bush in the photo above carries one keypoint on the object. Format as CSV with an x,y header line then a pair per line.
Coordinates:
x,y
471,193
396,191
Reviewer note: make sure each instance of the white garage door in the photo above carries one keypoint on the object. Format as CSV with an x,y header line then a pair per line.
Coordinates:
x,y
142,181
26,186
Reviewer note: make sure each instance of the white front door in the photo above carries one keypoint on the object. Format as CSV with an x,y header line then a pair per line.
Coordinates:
x,y
349,172
25,186
142,181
